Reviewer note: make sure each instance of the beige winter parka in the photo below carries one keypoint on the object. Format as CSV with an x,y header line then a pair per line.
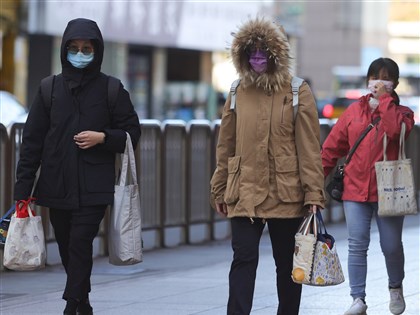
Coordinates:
x,y
268,163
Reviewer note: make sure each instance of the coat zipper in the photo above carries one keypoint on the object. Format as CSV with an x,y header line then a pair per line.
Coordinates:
x,y
282,111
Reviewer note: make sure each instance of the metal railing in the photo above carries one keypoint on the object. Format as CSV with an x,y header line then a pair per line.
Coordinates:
x,y
175,161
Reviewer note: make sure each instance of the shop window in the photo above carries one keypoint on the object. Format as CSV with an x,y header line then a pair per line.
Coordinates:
x,y
139,80
183,65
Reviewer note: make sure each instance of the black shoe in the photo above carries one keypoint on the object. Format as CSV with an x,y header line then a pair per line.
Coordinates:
x,y
71,307
84,308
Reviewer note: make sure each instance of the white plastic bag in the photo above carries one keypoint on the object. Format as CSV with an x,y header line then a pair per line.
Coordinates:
x,y
124,241
25,244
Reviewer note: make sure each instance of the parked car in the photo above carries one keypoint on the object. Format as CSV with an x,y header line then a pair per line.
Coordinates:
x,y
337,107
340,103
11,110
320,103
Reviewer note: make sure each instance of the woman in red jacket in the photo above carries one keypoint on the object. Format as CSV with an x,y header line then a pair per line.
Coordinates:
x,y
360,196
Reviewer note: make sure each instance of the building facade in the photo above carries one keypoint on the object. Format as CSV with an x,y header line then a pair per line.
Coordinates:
x,y
173,55
162,51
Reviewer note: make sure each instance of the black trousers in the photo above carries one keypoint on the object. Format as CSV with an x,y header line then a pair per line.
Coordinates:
x,y
75,231
245,243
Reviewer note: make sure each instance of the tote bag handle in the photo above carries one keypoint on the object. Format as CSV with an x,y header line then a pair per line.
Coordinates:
x,y
308,222
128,159
401,151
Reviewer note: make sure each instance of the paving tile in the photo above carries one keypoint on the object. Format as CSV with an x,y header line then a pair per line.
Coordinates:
x,y
193,280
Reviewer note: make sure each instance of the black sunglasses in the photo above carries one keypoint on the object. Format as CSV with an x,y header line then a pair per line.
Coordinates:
x,y
86,50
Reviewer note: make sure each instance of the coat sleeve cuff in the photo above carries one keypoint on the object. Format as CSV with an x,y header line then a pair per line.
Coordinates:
x,y
315,198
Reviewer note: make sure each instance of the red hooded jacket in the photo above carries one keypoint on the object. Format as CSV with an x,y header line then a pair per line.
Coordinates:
x,y
359,174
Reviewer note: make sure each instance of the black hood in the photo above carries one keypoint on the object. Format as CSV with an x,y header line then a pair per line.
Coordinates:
x,y
82,29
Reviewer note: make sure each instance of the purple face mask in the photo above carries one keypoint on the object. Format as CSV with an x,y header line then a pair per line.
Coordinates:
x,y
258,61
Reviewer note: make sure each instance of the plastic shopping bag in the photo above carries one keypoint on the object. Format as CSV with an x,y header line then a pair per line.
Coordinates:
x,y
25,244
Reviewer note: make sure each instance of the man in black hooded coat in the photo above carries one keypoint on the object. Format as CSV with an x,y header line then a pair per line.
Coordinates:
x,y
74,139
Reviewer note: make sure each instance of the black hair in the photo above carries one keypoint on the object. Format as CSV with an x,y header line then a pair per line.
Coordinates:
x,y
383,63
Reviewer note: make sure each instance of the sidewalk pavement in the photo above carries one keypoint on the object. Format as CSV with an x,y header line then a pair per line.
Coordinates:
x,y
193,279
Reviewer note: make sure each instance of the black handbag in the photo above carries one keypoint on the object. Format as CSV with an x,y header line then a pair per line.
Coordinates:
x,y
335,187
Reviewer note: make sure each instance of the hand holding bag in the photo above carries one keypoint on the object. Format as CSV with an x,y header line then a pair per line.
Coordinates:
x,y
326,267
305,240
124,241
395,180
23,207
25,244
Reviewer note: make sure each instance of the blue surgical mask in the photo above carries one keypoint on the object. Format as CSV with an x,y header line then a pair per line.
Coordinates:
x,y
80,60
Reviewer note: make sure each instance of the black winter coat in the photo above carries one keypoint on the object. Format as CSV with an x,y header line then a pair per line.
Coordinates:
x,y
72,177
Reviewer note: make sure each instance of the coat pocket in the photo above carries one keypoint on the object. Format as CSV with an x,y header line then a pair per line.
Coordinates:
x,y
99,173
232,185
289,187
51,181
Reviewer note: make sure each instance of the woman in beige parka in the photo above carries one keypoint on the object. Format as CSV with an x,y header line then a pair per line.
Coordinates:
x,y
268,163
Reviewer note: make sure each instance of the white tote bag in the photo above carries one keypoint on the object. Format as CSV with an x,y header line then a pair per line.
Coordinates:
x,y
125,241
396,194
25,243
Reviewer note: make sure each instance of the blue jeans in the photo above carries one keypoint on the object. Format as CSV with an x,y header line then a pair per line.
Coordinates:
x,y
358,217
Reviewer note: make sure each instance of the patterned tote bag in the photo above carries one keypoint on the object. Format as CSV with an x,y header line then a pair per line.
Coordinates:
x,y
326,267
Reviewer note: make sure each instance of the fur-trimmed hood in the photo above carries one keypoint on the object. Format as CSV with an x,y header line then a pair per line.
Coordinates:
x,y
273,37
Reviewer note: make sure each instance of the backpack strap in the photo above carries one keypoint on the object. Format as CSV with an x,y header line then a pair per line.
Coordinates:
x,y
233,89
113,89
47,85
296,83
46,91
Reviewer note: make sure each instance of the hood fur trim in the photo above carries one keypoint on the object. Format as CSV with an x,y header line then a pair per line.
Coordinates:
x,y
273,37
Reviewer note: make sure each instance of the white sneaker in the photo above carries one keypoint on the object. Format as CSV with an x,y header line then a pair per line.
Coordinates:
x,y
396,303
357,308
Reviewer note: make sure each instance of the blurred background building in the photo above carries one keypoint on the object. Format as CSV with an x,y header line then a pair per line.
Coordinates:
x,y
173,57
